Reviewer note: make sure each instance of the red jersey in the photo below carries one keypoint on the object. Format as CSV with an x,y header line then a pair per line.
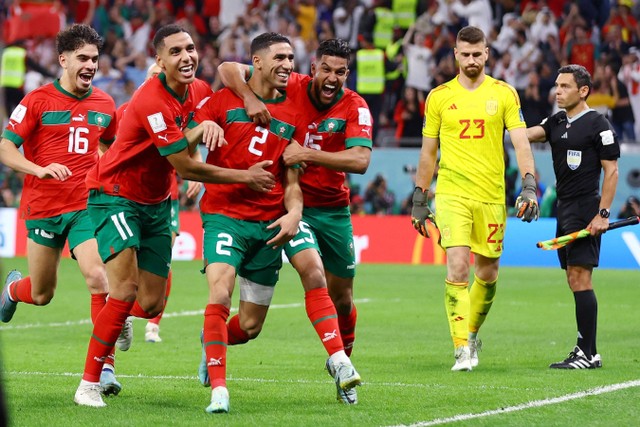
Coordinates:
x,y
341,125
248,144
135,166
54,126
174,183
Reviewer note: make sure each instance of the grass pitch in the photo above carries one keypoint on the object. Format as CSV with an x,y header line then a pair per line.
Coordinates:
x,y
403,353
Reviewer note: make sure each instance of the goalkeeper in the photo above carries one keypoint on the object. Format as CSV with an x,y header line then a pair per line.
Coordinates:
x,y
466,117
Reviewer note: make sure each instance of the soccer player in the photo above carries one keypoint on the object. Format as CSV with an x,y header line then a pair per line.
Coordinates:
x,y
466,118
61,126
130,188
242,227
338,140
582,145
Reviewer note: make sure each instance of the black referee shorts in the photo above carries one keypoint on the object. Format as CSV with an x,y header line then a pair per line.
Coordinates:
x,y
574,215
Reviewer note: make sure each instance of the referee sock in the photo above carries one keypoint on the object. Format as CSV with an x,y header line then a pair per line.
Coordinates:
x,y
215,343
323,317
481,296
456,303
586,319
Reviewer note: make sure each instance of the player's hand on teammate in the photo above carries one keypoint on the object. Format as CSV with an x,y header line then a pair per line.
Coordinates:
x,y
288,225
261,179
54,171
527,202
294,155
257,111
193,189
420,212
212,135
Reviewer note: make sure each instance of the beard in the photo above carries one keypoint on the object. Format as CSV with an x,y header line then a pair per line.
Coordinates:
x,y
472,72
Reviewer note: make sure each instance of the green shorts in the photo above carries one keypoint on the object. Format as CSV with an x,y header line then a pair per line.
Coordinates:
x,y
328,230
466,222
121,223
175,217
55,231
243,245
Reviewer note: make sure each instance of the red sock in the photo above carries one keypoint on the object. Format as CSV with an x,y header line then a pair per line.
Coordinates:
x,y
106,329
137,311
235,333
97,303
156,319
348,329
215,343
20,290
323,317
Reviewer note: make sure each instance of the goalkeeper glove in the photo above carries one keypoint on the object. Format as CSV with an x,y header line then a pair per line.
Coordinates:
x,y
527,201
420,211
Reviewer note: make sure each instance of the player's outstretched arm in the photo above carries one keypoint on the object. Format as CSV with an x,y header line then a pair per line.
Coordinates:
x,y
352,160
13,158
536,134
234,75
288,223
256,177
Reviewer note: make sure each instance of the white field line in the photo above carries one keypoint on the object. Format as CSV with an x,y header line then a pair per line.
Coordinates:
x,y
533,404
183,313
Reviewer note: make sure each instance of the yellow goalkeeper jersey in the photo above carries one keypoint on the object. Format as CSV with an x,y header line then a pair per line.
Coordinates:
x,y
470,126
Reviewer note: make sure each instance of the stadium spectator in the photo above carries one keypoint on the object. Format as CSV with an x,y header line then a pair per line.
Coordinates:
x,y
582,203
470,189
631,207
377,197
346,21
622,117
409,115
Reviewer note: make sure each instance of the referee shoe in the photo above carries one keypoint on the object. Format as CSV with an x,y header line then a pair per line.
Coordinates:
x,y
577,360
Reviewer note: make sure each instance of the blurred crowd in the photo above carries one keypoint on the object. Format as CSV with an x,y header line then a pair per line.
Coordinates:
x,y
401,50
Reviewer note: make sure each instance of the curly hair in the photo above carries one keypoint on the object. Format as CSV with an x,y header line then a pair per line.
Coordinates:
x,y
76,36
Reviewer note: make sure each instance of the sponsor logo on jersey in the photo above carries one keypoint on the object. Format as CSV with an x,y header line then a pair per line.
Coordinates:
x,y
156,121
452,107
18,113
574,158
164,138
565,136
491,107
78,118
607,137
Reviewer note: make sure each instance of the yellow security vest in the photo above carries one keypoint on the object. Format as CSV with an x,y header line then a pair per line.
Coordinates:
x,y
370,69
405,12
383,30
14,67
392,51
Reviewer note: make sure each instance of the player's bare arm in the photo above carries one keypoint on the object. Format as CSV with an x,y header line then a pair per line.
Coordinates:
x,y
11,157
209,133
598,224
256,177
524,156
536,134
288,223
194,187
234,75
351,160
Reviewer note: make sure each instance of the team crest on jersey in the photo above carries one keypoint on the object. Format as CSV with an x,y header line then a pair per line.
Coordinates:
x,y
574,158
18,113
491,107
157,122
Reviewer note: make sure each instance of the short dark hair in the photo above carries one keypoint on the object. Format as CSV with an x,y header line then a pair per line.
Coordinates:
x,y
334,47
164,32
76,36
265,40
580,75
472,35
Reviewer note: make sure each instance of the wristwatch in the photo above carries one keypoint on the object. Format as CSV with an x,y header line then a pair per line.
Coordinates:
x,y
604,213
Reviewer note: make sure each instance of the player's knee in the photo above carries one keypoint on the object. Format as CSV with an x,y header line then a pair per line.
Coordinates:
x,y
96,279
252,327
313,278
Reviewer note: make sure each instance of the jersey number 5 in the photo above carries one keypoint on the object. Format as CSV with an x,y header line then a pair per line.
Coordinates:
x,y
78,143
472,132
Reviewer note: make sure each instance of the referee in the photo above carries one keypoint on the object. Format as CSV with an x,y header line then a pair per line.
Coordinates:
x,y
582,145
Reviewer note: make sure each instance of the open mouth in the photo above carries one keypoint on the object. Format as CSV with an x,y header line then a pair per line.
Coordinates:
x,y
86,77
328,91
187,70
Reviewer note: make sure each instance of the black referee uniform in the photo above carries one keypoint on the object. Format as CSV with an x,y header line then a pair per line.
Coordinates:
x,y
578,144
